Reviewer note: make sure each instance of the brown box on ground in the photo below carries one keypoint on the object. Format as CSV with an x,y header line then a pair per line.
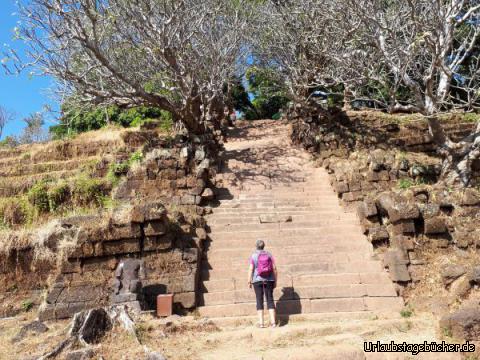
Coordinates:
x,y
164,305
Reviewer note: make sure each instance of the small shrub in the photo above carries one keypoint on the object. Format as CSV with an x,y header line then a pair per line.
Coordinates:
x,y
58,195
447,332
116,170
38,196
406,312
405,184
27,305
276,116
86,190
471,117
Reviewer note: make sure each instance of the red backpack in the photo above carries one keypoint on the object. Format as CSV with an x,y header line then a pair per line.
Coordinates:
x,y
264,264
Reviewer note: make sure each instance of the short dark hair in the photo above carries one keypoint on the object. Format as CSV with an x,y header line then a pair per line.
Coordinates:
x,y
260,244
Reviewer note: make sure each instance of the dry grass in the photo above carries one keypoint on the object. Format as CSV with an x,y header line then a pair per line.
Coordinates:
x,y
32,345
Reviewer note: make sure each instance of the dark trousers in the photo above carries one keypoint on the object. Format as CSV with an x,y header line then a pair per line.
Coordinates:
x,y
266,288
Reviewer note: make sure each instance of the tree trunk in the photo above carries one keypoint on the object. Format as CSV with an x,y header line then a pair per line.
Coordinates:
x,y
458,157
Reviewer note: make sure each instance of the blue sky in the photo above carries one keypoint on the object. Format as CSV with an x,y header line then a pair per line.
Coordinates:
x,y
20,94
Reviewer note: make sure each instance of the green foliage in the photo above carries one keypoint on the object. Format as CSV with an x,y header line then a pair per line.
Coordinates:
x,y
406,312
9,141
16,211
27,305
238,96
276,116
269,92
77,120
405,184
447,332
58,194
116,170
86,190
38,196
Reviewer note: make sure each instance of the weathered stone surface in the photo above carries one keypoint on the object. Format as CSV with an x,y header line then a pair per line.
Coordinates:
x,y
430,210
366,209
396,261
155,228
402,227
186,299
155,355
470,197
201,234
378,233
208,194
119,247
82,354
452,272
148,212
397,207
352,196
33,328
341,187
474,275
91,326
460,288
268,219
435,225
163,242
463,324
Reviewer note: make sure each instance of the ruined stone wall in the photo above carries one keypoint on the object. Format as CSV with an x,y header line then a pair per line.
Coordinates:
x,y
426,233
157,218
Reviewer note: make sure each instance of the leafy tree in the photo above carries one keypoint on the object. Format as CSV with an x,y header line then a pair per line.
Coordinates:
x,y
269,92
76,120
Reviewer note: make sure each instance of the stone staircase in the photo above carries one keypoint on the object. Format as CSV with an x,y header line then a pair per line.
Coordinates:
x,y
325,264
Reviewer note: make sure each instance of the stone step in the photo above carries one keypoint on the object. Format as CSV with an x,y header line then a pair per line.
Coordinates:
x,y
275,218
304,268
284,257
245,251
330,223
286,280
325,203
318,241
312,209
292,196
393,304
350,230
296,293
295,213
360,246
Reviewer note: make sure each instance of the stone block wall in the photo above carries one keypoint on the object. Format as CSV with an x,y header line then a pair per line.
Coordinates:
x,y
158,220
423,230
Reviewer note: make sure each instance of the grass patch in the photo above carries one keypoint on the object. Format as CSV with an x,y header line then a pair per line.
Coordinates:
x,y
117,170
405,184
406,312
27,305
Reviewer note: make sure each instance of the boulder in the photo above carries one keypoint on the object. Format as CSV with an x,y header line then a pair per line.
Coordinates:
x,y
33,328
474,275
430,210
82,354
396,261
435,225
452,272
463,324
91,326
155,355
397,207
470,197
208,194
378,233
366,209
